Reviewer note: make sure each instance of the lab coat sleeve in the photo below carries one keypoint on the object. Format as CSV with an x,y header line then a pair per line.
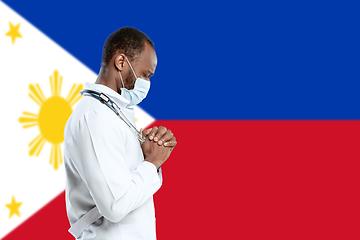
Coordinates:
x,y
102,166
160,175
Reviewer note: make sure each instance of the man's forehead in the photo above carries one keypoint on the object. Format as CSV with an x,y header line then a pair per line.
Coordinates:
x,y
148,58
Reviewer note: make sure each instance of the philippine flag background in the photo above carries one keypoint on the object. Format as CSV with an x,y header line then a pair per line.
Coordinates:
x,y
262,96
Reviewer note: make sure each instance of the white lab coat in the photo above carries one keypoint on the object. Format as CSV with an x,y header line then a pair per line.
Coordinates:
x,y
105,167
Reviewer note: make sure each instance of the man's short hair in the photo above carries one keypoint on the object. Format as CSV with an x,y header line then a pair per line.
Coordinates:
x,y
127,40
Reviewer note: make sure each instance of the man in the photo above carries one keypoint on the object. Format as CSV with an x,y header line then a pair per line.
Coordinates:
x,y
110,176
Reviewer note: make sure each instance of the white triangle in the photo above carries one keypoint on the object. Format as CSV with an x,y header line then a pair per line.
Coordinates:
x,y
32,59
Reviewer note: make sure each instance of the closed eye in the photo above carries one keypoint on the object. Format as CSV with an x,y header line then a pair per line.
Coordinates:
x,y
149,74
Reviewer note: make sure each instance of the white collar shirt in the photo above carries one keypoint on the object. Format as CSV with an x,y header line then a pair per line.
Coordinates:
x,y
105,167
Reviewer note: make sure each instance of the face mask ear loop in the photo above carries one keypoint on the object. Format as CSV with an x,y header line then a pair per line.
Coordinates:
x,y
131,68
121,79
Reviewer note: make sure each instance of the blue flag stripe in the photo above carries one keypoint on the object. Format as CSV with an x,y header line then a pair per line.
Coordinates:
x,y
225,60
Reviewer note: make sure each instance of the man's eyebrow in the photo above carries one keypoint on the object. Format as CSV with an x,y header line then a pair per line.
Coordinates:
x,y
150,73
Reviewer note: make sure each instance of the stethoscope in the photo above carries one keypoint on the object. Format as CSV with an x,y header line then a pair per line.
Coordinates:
x,y
113,106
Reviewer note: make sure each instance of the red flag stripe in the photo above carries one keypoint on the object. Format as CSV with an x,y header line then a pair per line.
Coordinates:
x,y
247,180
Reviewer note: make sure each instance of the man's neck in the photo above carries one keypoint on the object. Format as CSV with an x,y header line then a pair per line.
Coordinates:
x,y
107,79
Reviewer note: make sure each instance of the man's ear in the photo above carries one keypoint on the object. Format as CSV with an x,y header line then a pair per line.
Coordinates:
x,y
119,61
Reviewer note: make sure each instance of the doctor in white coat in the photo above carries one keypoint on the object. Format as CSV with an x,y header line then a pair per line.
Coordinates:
x,y
110,176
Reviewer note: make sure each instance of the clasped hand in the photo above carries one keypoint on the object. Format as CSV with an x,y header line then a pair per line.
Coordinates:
x,y
158,144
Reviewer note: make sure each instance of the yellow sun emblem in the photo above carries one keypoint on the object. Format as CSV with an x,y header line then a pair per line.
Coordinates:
x,y
51,119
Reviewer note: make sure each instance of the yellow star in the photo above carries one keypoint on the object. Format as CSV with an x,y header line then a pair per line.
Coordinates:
x,y
14,207
13,32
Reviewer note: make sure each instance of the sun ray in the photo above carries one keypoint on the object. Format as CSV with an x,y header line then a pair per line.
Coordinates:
x,y
40,91
36,101
59,86
40,147
74,95
36,144
77,98
52,153
56,156
60,154
28,119
71,92
52,86
30,125
55,84
36,94
30,114
35,139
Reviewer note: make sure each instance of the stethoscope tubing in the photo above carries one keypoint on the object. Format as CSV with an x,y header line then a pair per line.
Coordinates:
x,y
103,98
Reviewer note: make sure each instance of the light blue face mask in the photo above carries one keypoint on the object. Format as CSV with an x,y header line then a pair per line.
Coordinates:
x,y
141,89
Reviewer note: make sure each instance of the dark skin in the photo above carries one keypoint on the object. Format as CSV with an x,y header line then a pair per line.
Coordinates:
x,y
159,141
